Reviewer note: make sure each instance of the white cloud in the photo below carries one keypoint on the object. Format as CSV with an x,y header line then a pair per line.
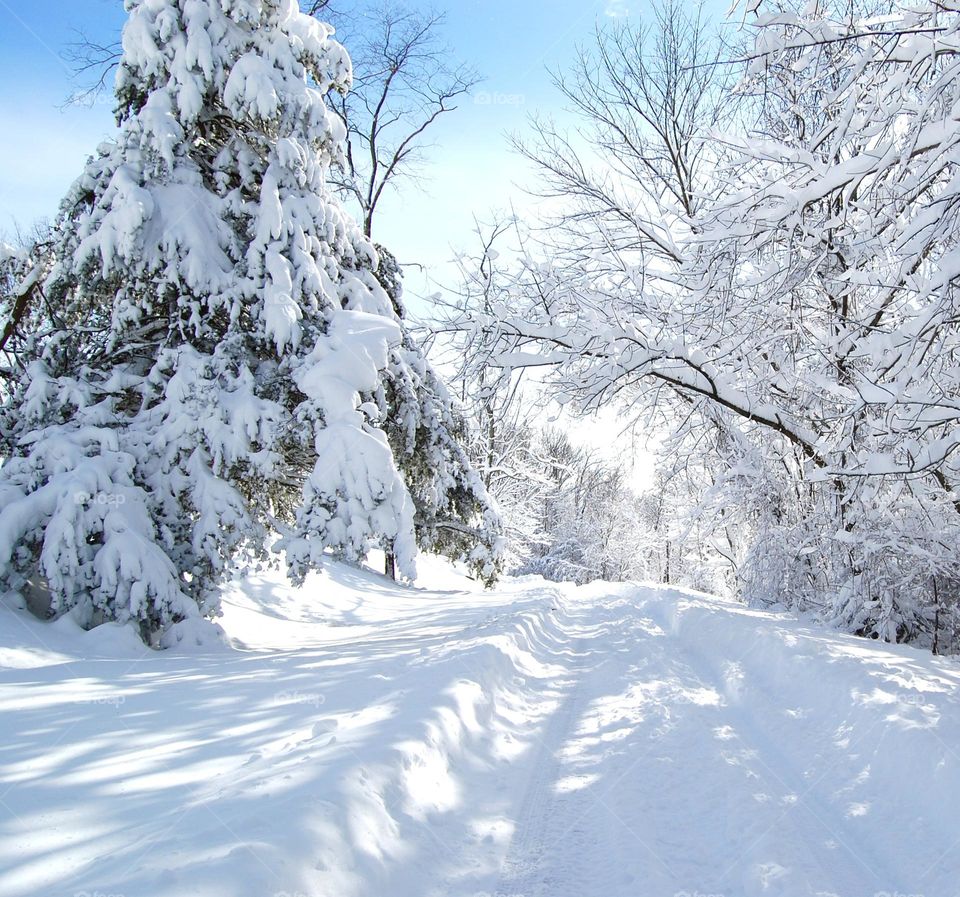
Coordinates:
x,y
617,9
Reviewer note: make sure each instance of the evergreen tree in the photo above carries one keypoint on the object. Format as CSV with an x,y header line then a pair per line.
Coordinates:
x,y
211,323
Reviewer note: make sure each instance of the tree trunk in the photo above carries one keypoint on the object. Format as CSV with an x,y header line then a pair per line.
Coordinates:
x,y
936,618
390,564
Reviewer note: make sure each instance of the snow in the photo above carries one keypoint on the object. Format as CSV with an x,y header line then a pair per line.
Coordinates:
x,y
361,738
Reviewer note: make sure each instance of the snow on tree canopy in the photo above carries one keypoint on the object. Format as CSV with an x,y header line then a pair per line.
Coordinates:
x,y
214,324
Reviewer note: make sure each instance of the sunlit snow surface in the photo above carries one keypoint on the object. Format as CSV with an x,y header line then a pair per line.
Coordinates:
x,y
365,739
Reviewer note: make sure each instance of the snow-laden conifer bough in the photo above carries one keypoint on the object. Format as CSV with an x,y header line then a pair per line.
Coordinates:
x,y
203,362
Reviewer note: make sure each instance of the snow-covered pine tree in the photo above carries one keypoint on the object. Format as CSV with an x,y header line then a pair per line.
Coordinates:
x,y
427,432
212,321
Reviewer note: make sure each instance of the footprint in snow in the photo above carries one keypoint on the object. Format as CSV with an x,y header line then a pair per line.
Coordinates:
x,y
322,727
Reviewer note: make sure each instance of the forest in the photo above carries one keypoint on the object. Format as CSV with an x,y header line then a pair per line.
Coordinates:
x,y
747,250
616,553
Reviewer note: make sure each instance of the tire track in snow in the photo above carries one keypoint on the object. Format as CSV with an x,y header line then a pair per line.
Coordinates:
x,y
568,840
523,870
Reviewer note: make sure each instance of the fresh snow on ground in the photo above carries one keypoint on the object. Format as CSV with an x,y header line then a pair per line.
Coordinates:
x,y
361,738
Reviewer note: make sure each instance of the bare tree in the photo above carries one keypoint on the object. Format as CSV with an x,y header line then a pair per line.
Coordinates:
x,y
312,7
646,94
403,83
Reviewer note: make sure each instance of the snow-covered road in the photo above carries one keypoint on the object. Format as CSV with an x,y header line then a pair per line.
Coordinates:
x,y
543,741
688,757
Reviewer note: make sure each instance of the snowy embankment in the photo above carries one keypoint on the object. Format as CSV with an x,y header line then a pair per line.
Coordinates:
x,y
544,741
